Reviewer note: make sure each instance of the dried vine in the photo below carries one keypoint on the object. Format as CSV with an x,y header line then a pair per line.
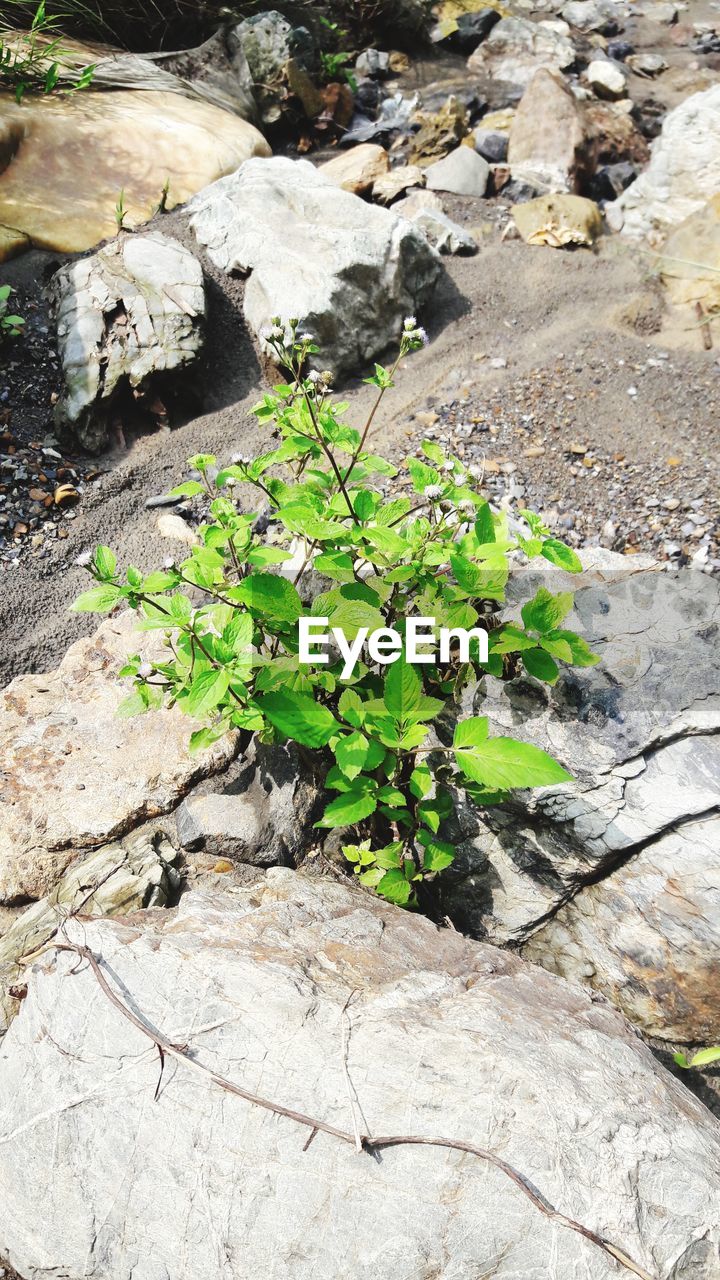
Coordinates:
x,y
182,1053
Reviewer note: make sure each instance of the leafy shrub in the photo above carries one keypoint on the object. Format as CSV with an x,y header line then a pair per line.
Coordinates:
x,y
31,61
10,326
230,616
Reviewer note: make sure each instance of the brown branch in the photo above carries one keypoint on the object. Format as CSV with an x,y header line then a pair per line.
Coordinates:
x,y
369,1144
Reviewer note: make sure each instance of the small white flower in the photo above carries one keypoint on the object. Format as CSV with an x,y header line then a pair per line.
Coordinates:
x,y
432,490
145,670
306,337
448,465
421,335
240,460
168,563
230,482
466,505
410,322
84,559
313,376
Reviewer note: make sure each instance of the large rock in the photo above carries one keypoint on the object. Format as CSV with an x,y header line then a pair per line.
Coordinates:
x,y
125,315
348,271
546,145
690,261
74,774
115,880
684,168
641,734
516,48
97,145
441,1037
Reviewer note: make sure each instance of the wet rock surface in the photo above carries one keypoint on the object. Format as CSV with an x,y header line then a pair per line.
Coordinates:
x,y
255,981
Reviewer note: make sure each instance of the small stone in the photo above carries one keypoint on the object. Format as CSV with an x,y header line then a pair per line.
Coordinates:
x,y
463,172
606,79
173,526
577,448
358,168
491,144
671,504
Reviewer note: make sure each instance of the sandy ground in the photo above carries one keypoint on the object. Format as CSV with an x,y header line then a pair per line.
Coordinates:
x,y
560,317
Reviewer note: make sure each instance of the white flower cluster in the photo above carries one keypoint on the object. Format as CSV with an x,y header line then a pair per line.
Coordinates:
x,y
413,335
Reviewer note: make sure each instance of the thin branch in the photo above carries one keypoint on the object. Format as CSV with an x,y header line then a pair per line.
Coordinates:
x,y
371,1145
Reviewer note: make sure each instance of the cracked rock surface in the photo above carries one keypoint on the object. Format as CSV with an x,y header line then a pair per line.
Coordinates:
x,y
198,1182
74,774
641,735
129,312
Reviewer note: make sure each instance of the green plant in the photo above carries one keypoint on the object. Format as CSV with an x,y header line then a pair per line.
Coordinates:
x,y
31,61
702,1058
231,617
334,64
10,326
120,211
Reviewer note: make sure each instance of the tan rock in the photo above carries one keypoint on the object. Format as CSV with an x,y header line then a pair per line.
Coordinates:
x,y
395,182
558,221
690,262
72,157
74,774
546,137
171,525
12,243
439,132
418,199
357,170
612,135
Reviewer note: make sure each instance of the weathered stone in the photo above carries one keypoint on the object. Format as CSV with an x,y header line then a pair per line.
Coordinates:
x,y
491,144
647,936
269,43
417,200
463,172
396,182
99,144
608,182
74,774
373,62
606,79
647,64
612,135
357,168
341,257
113,881
517,48
558,220
443,234
265,819
684,169
546,146
690,261
594,15
465,32
192,1180
124,315
641,734
439,132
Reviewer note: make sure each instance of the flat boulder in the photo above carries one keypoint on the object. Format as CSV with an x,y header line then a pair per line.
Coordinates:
x,y
516,48
71,158
349,271
75,774
125,315
325,1001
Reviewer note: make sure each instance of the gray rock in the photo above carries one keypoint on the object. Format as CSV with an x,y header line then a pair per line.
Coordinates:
x,y
120,878
468,30
416,200
547,139
463,172
268,42
606,78
373,62
641,734
491,144
443,234
684,169
130,311
594,15
516,48
73,773
341,259
185,1180
265,820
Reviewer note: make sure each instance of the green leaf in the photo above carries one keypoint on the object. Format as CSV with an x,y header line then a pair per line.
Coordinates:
x,y
539,664
206,692
105,563
203,738
704,1056
395,888
187,490
270,596
504,763
97,600
581,655
335,564
433,452
484,524
545,611
422,475
471,732
402,691
563,556
267,555
438,854
420,781
299,717
351,753
510,639
157,582
351,708
347,808
487,583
